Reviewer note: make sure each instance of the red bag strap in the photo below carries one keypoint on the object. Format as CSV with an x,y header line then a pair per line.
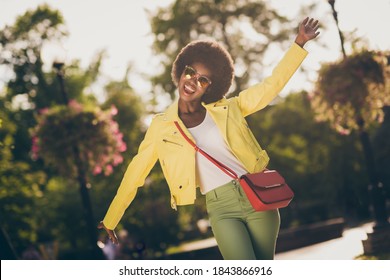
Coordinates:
x,y
220,165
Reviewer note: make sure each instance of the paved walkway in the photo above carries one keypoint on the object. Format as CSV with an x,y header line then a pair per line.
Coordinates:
x,y
346,247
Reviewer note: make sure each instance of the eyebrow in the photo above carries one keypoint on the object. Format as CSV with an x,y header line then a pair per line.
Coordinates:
x,y
198,72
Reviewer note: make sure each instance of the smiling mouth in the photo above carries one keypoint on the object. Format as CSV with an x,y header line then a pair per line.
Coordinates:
x,y
189,89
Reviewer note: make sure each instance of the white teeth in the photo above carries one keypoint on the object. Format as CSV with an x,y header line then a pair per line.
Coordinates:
x,y
189,89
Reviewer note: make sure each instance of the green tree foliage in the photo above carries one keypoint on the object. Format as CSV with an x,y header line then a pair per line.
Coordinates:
x,y
56,214
29,91
21,46
245,27
130,112
97,137
20,188
353,91
351,95
29,87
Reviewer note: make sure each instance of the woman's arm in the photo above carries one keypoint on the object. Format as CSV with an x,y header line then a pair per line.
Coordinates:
x,y
260,95
134,177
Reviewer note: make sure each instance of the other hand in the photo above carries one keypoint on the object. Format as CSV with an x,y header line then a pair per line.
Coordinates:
x,y
111,233
307,31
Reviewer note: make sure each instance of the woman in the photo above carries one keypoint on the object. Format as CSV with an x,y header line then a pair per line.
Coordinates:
x,y
203,73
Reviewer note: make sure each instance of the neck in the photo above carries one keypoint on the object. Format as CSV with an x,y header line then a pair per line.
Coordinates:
x,y
192,107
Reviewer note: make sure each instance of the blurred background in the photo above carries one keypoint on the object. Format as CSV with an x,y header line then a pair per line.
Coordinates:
x,y
80,81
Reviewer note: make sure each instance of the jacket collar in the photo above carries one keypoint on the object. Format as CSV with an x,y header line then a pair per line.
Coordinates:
x,y
171,113
218,111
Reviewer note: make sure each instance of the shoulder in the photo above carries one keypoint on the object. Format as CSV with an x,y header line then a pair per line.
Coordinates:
x,y
158,116
223,102
157,119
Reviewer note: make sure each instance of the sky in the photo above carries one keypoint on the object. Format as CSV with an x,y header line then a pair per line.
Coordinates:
x,y
121,28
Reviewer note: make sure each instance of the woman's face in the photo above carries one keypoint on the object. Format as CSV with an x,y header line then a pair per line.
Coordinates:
x,y
194,82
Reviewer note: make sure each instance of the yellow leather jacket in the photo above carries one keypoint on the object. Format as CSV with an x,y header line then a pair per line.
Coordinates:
x,y
177,158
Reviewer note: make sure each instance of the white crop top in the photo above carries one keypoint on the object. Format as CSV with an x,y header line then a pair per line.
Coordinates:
x,y
209,139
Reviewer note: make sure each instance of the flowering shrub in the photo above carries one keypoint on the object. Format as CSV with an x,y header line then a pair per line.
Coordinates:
x,y
92,133
353,90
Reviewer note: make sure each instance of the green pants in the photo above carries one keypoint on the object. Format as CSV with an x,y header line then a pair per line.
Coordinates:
x,y
240,231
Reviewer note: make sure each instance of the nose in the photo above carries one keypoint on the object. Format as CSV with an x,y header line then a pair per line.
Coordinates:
x,y
194,79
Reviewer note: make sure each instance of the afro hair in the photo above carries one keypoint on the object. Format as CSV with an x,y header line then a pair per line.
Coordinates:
x,y
216,58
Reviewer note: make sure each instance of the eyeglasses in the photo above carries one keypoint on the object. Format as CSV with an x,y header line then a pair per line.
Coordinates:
x,y
190,73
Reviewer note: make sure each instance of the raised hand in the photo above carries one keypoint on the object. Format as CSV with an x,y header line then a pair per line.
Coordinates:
x,y
307,31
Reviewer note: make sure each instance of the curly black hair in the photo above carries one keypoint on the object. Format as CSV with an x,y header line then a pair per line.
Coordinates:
x,y
216,58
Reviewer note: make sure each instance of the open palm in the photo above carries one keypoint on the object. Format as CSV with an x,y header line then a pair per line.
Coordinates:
x,y
308,29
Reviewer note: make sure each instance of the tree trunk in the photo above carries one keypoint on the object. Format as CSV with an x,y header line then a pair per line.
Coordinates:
x,y
87,206
376,190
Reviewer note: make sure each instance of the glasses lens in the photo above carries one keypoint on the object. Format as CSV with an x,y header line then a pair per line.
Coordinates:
x,y
189,72
203,81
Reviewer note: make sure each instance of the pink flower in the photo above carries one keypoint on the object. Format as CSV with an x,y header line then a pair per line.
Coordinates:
x,y
117,159
35,148
75,105
114,127
344,131
108,170
43,111
122,147
97,170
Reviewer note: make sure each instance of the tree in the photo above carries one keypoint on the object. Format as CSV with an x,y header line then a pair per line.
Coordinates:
x,y
382,150
21,45
351,95
308,154
246,28
20,185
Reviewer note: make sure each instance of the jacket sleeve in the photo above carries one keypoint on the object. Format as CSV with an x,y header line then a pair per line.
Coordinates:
x,y
134,177
260,95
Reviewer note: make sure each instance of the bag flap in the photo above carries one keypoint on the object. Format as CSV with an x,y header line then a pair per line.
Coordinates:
x,y
265,179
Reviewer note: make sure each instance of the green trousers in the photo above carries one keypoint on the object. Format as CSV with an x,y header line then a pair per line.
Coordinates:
x,y
240,231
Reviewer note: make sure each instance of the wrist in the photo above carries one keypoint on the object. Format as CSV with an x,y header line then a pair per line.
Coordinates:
x,y
299,41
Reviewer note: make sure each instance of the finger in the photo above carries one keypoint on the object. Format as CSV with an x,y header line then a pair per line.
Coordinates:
x,y
314,35
314,23
315,27
310,22
305,20
114,239
112,236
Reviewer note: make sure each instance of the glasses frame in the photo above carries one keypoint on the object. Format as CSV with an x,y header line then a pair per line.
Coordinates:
x,y
195,74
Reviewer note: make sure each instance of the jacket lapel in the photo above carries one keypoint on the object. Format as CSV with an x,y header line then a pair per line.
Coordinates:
x,y
219,112
171,115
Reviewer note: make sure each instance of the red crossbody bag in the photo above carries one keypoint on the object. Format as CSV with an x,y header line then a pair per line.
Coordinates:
x,y
265,190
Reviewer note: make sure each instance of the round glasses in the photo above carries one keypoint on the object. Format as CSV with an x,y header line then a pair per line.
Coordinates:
x,y
201,80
